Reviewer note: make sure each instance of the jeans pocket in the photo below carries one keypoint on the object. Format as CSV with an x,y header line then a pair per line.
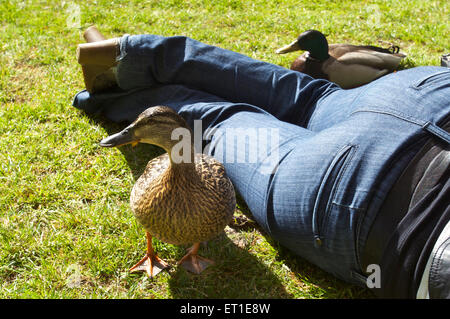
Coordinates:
x,y
327,190
430,79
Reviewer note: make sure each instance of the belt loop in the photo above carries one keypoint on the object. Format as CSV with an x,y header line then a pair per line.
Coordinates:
x,y
437,131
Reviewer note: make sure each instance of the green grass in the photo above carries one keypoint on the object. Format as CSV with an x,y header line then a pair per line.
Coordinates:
x,y
66,230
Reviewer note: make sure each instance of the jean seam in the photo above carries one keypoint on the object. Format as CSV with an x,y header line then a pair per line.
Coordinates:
x,y
353,150
357,239
337,184
436,261
393,113
422,83
346,153
348,206
266,197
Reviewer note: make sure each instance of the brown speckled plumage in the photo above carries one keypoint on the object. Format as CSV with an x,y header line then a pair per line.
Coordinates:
x,y
181,205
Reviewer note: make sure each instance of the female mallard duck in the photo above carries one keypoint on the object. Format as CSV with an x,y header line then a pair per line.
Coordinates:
x,y
179,200
347,65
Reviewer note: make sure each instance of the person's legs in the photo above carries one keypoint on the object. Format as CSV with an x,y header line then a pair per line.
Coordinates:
x,y
148,60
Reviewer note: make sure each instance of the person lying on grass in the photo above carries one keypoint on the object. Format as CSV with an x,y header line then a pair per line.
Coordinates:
x,y
355,181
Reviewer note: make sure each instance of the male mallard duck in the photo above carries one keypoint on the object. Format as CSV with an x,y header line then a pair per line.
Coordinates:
x,y
347,65
177,201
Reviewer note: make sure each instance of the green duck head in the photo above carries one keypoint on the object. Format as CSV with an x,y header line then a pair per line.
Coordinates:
x,y
312,41
156,125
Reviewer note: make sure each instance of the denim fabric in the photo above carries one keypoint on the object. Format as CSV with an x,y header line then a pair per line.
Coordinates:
x,y
338,151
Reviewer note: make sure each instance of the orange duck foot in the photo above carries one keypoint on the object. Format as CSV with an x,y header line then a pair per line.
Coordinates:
x,y
152,264
193,262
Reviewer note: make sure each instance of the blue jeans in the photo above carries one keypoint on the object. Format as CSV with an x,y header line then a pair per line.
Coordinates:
x,y
338,151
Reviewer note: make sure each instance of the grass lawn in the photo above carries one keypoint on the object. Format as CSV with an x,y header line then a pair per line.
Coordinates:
x,y
66,229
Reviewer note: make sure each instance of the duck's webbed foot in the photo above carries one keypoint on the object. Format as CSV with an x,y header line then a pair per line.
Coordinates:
x,y
193,262
151,263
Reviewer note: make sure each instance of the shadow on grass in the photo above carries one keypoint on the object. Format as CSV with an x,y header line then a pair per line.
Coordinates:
x,y
235,274
321,283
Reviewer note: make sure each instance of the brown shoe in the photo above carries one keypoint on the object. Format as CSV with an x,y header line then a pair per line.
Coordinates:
x,y
93,35
97,60
99,53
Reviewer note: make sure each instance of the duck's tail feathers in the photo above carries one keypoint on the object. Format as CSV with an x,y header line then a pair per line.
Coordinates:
x,y
393,49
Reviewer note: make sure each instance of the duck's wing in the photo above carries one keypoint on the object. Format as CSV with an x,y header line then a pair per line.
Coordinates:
x,y
215,179
393,49
352,75
339,49
374,59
